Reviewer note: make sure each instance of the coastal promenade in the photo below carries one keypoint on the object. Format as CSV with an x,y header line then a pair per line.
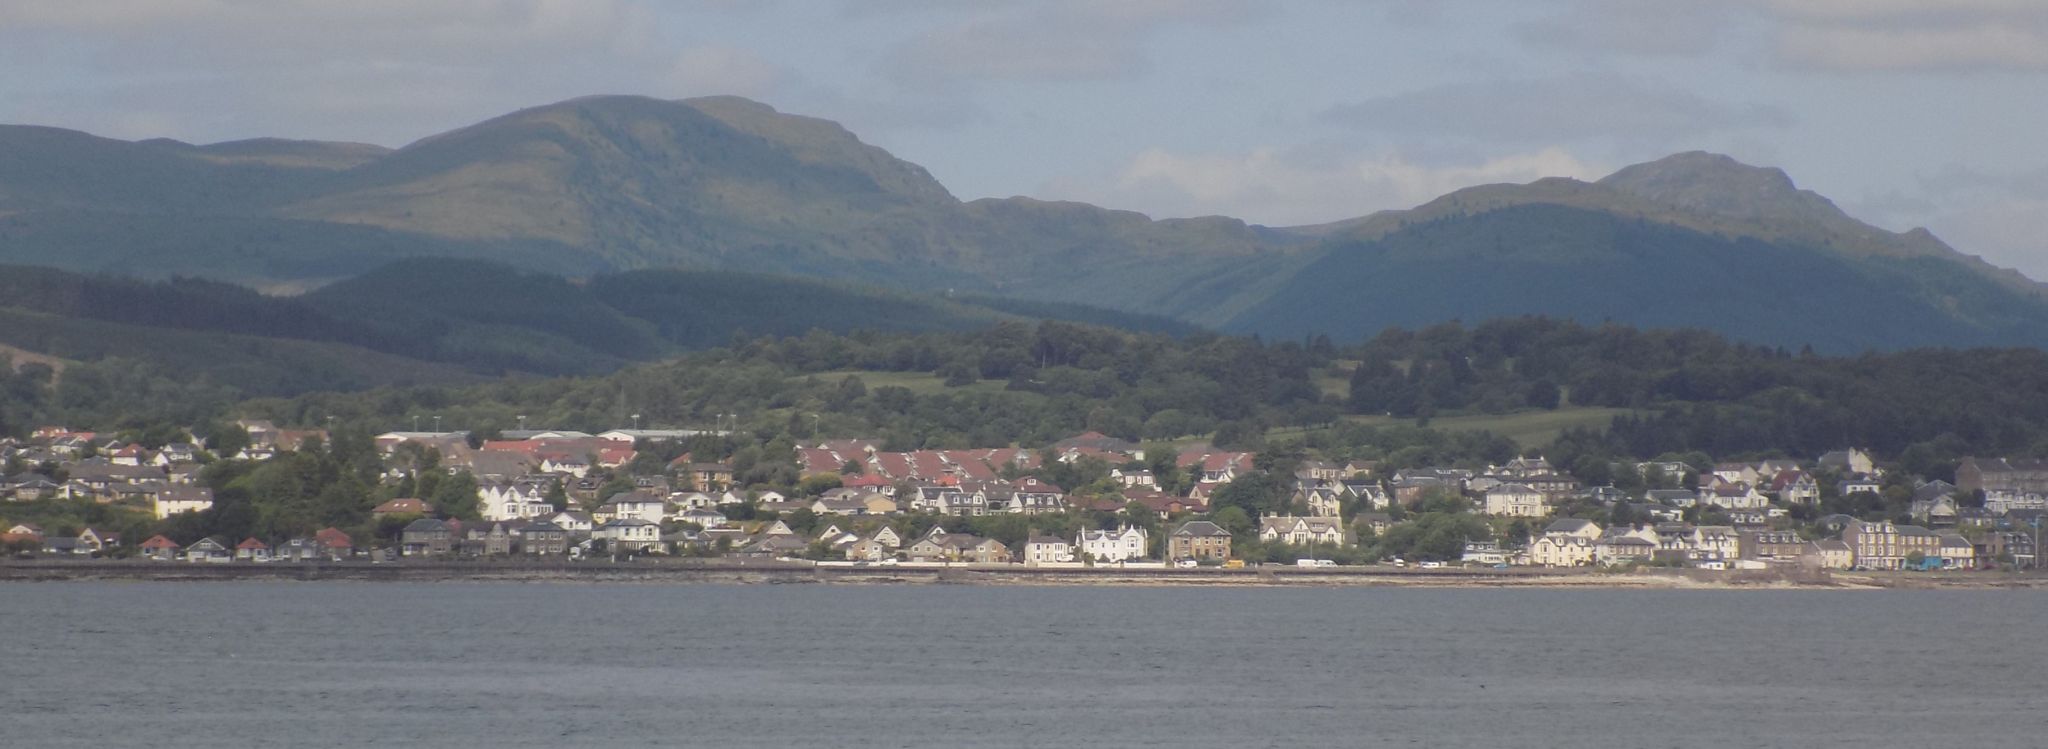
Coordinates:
x,y
727,571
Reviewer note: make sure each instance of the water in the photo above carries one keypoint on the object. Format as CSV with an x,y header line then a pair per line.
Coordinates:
x,y
512,665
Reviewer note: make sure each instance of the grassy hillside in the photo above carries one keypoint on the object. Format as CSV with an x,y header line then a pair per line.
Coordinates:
x,y
479,317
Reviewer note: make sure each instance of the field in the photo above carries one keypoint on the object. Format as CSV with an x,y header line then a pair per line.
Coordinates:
x,y
1526,428
921,383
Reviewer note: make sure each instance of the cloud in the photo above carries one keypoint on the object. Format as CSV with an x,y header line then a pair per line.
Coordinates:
x,y
387,71
1552,110
1283,187
1064,40
2001,216
715,69
1824,35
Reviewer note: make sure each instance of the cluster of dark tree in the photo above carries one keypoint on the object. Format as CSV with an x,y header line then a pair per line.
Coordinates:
x,y
1693,390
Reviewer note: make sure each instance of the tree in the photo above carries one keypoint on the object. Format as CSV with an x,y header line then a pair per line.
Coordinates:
x,y
457,497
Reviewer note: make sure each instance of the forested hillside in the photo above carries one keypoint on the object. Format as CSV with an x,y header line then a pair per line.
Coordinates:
x,y
439,320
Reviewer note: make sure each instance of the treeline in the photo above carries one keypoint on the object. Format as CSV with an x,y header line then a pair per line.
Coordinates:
x,y
1017,383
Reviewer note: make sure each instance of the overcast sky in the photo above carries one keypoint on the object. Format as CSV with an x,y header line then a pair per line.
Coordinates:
x,y
1907,112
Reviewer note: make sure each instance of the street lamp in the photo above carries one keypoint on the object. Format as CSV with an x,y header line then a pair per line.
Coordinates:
x,y
415,422
522,422
437,424
636,422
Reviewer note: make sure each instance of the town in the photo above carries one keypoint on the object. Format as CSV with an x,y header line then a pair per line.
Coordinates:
x,y
629,494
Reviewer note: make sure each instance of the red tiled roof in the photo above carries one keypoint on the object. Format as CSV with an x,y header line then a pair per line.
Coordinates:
x,y
159,542
251,543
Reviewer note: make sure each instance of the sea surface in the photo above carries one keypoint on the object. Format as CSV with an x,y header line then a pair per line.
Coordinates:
x,y
576,665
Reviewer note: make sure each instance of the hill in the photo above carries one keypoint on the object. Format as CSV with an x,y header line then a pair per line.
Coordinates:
x,y
1594,265
426,319
614,184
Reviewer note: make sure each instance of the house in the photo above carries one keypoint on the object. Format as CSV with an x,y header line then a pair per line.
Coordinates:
x,y
1133,478
703,518
1321,501
1367,493
877,503
637,505
160,549
1625,546
629,534
1736,473
427,537
1302,531
1031,496
172,501
1200,540
513,501
542,538
577,523
1125,543
1795,487
1561,550
1882,545
1956,552
1938,512
252,550
874,547
2025,476
1859,483
1573,527
1848,461
1515,500
1485,553
402,506
298,550
98,541
1047,549
487,539
209,550
1734,496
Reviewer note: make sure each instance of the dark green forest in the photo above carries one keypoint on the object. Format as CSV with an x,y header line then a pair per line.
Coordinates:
x,y
1029,384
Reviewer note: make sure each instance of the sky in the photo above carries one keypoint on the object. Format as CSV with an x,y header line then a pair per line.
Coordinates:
x,y
1906,112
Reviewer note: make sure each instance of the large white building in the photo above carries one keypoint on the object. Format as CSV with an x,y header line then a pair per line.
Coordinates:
x,y
1128,542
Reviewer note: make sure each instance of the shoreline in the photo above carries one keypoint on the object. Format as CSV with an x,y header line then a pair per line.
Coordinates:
x,y
772,573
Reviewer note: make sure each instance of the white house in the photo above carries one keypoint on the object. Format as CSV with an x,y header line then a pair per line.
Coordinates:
x,y
1515,500
1047,549
182,499
1128,542
1302,531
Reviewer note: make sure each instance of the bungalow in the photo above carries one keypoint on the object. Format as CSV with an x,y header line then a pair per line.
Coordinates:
x,y
298,550
99,541
160,549
334,544
1200,540
252,550
209,550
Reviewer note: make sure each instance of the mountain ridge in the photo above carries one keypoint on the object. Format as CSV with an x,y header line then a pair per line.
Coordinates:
x,y
611,183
